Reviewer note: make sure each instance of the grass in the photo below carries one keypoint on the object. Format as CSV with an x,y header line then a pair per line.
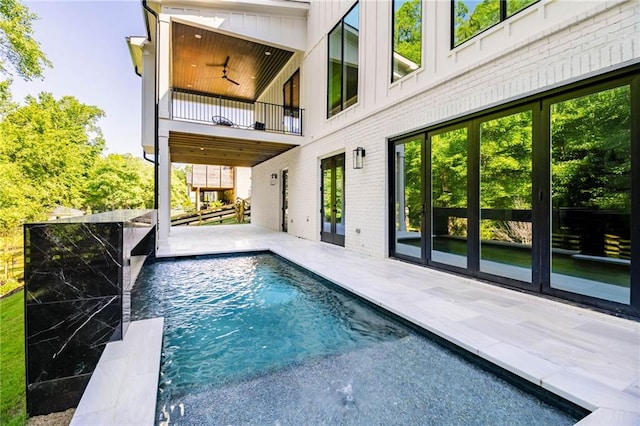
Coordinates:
x,y
12,374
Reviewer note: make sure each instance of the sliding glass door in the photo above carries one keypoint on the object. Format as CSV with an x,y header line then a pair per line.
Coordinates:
x,y
506,232
591,194
539,195
448,171
408,189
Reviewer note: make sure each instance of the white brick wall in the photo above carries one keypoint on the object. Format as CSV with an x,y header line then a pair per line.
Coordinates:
x,y
554,42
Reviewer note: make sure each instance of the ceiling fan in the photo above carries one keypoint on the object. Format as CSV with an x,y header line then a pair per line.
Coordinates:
x,y
224,71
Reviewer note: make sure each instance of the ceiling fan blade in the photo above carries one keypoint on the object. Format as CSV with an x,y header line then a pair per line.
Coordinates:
x,y
232,81
226,62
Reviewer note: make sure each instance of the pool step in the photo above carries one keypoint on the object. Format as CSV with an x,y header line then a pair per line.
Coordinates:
x,y
123,387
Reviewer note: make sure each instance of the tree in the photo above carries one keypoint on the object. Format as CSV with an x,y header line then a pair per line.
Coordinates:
x,y
485,14
48,148
119,181
407,35
591,151
20,53
179,196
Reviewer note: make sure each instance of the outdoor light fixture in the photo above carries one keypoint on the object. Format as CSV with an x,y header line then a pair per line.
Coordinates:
x,y
274,178
358,157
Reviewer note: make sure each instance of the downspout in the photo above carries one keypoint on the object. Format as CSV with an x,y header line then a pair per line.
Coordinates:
x,y
144,155
146,7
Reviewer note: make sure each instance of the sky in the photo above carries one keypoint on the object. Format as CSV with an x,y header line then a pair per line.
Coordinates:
x,y
85,41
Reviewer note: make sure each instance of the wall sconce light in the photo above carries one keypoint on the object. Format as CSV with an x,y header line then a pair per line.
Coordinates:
x,y
358,157
274,179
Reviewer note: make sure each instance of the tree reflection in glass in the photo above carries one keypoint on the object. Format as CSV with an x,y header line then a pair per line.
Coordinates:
x,y
505,196
408,197
449,197
591,194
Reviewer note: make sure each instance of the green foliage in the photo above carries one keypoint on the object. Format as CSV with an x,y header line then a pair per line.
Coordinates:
x,y
485,14
119,182
591,153
413,183
466,25
179,194
449,168
12,374
48,148
590,163
51,155
505,162
407,34
19,52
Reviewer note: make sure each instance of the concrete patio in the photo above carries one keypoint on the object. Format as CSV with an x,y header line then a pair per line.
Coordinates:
x,y
589,358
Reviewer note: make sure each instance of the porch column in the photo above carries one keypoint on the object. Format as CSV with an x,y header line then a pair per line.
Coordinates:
x,y
164,67
164,190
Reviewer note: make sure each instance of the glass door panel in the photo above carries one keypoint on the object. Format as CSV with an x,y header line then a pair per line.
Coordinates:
x,y
327,202
591,195
505,196
408,198
339,197
333,228
449,197
285,200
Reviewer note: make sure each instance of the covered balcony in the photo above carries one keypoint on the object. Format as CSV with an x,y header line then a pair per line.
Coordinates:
x,y
220,85
235,113
230,81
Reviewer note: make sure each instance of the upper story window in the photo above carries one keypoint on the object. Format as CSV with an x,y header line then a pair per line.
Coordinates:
x,y
342,79
291,95
407,37
472,17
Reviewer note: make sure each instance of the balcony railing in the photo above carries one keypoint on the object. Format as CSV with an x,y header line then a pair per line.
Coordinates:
x,y
235,113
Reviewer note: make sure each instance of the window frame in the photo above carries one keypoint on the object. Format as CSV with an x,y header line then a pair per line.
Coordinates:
x,y
503,16
343,101
393,34
291,108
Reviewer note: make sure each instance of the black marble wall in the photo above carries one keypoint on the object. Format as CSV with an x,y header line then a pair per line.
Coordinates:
x,y
78,281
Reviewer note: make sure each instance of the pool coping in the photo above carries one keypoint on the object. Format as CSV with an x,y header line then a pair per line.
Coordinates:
x,y
123,387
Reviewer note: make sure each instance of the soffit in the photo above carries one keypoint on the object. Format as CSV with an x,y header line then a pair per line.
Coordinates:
x,y
199,55
201,149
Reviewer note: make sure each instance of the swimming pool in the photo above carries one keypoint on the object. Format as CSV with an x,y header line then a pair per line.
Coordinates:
x,y
256,340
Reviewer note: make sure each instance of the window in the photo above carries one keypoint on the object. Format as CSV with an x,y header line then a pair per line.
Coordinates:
x,y
291,96
407,38
342,81
472,17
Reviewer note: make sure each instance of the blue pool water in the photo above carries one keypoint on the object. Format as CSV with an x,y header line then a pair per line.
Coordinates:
x,y
255,340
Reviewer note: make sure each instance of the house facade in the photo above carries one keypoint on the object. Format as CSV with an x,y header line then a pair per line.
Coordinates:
x,y
497,139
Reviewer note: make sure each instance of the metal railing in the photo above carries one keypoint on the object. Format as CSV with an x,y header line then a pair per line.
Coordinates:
x,y
235,113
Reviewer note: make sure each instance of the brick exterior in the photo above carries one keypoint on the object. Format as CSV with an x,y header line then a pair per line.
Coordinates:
x,y
553,43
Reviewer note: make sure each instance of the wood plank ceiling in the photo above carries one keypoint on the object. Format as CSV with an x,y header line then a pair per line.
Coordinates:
x,y
200,149
198,63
